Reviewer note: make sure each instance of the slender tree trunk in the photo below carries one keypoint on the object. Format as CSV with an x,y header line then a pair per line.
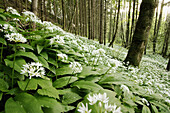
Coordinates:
x,y
105,11
89,19
167,36
92,19
141,33
114,36
34,10
110,27
63,12
168,66
128,26
80,17
122,31
45,11
101,23
157,30
133,19
137,4
55,11
77,17
85,11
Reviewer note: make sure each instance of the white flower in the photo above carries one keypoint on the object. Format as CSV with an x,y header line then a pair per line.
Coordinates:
x,y
16,37
103,98
92,99
145,101
124,88
33,69
84,109
12,10
118,110
76,67
57,40
62,57
108,107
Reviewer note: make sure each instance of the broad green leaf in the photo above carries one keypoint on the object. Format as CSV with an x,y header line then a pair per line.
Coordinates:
x,y
44,55
2,17
43,62
70,97
67,108
12,106
154,109
51,105
129,102
160,105
49,91
39,48
145,109
3,85
52,61
44,83
87,71
25,46
29,84
59,83
29,103
19,62
64,70
2,40
87,85
27,54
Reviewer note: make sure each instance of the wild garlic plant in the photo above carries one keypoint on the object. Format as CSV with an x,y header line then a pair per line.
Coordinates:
x,y
99,103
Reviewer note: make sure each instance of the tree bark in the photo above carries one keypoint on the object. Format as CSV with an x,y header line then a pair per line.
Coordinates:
x,y
101,23
128,26
77,17
117,22
168,66
133,19
110,27
34,7
157,30
85,11
141,32
89,19
105,11
63,12
92,19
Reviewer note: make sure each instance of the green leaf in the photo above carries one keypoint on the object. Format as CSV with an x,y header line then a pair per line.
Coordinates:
x,y
52,61
43,62
39,48
2,17
67,108
64,70
87,85
49,91
30,84
87,71
1,94
25,46
2,40
19,62
50,105
29,102
44,83
59,83
3,85
154,109
27,54
70,97
12,106
44,55
145,109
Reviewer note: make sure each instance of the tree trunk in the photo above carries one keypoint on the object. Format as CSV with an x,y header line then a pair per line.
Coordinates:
x,y
157,30
110,27
55,11
128,26
89,19
92,19
34,6
101,23
105,11
168,66
77,17
85,11
63,12
45,11
141,32
137,4
167,36
133,19
122,31
117,22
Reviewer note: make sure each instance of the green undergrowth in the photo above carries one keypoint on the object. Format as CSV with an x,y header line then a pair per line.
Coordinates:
x,y
69,69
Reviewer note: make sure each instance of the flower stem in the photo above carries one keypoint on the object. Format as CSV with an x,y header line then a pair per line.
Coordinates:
x,y
27,85
13,66
2,52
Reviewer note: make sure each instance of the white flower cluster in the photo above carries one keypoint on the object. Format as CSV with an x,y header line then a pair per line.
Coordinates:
x,y
12,10
33,69
76,67
101,101
16,37
62,57
124,88
31,17
7,27
57,40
